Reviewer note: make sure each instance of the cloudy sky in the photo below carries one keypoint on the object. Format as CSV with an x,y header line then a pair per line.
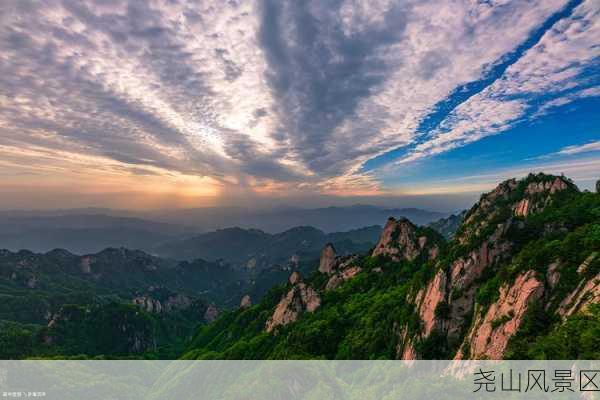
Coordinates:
x,y
176,103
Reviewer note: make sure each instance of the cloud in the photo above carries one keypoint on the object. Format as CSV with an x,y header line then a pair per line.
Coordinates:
x,y
284,95
574,150
553,72
583,171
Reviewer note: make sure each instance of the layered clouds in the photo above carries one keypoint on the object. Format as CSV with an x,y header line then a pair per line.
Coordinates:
x,y
233,98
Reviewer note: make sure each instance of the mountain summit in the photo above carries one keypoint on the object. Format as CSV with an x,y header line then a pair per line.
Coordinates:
x,y
522,270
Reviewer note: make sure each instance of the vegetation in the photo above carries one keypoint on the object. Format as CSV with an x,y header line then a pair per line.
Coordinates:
x,y
363,318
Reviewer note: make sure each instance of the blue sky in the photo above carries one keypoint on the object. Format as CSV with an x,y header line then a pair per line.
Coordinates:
x,y
177,103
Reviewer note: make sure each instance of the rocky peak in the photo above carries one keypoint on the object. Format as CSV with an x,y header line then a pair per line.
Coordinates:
x,y
519,198
327,260
491,331
246,301
295,278
587,291
345,268
299,299
400,241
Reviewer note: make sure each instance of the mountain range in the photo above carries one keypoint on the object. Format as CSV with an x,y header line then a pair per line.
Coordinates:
x,y
83,231
520,278
515,276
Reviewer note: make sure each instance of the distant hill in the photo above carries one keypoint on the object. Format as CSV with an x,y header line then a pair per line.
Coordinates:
x,y
255,249
117,302
328,219
448,226
81,233
520,279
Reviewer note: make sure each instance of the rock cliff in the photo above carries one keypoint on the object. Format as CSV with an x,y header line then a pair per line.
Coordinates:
x,y
299,299
400,240
447,303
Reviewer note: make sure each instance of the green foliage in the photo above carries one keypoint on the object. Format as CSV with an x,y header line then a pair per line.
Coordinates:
x,y
434,347
16,340
360,319
355,321
442,310
576,338
488,293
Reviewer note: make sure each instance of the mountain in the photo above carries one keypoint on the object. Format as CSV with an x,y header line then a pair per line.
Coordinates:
x,y
519,279
448,226
328,219
255,249
82,233
117,302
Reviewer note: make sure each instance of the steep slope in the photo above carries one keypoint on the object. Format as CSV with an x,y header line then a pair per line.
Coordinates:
x,y
117,302
279,219
522,268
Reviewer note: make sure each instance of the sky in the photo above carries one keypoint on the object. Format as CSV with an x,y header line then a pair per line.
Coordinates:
x,y
175,103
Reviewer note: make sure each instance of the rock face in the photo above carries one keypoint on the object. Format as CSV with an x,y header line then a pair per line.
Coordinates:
x,y
344,268
527,205
490,333
299,299
524,201
434,294
295,278
246,302
343,275
399,241
405,350
447,302
161,300
587,292
327,259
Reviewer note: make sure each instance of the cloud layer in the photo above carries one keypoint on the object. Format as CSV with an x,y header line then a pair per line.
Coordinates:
x,y
274,96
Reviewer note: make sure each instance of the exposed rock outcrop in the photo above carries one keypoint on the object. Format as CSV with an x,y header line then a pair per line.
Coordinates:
x,y
327,260
299,299
399,241
491,332
433,295
446,304
525,197
295,278
159,300
405,350
246,301
587,292
464,275
341,276
552,275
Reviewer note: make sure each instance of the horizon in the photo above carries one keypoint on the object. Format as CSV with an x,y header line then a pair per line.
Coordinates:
x,y
168,105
